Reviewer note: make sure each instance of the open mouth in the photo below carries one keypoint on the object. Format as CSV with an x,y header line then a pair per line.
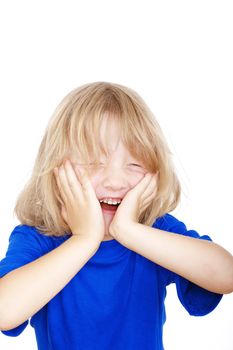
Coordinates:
x,y
110,205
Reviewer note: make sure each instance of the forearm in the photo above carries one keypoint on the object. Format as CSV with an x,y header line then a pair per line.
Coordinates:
x,y
27,289
201,262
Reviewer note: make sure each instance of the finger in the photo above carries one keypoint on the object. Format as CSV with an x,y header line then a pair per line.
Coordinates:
x,y
142,184
62,195
80,173
147,202
84,180
149,194
64,213
64,185
151,188
72,180
143,187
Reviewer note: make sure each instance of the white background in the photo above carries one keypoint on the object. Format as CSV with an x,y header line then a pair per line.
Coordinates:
x,y
178,56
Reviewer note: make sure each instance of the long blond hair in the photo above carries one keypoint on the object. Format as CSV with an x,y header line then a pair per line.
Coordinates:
x,y
74,125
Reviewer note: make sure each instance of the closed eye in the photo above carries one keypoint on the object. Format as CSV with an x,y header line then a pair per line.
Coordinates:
x,y
134,164
91,164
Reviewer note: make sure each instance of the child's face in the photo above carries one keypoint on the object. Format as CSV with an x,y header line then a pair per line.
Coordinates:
x,y
115,176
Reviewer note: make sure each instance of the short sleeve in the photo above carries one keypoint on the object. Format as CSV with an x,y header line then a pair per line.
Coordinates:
x,y
24,247
195,299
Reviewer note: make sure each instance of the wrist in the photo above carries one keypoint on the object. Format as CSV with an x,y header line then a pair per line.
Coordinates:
x,y
88,242
122,232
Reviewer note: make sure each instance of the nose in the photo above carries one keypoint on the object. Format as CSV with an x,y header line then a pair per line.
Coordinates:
x,y
115,179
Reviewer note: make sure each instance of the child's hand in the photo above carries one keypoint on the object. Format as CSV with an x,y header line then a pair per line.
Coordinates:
x,y
81,209
134,204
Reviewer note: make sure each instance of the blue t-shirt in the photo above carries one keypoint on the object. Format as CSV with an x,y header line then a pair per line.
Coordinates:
x,y
116,301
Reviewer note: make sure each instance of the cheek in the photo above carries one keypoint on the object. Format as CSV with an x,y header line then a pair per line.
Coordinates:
x,y
95,180
136,178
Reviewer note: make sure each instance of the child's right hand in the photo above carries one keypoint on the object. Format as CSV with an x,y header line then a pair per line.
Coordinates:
x,y
81,209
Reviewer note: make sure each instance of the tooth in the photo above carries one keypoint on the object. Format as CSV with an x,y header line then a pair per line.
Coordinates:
x,y
110,202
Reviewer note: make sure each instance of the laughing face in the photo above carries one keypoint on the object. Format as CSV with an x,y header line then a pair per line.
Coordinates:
x,y
114,176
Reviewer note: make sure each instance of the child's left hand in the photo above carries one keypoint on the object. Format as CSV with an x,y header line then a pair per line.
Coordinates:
x,y
134,204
